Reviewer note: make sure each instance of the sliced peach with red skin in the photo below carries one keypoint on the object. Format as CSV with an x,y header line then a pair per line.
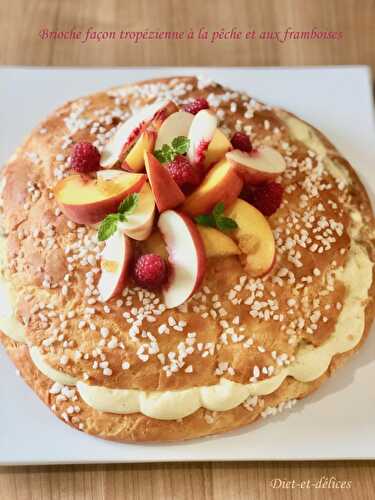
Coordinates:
x,y
216,243
221,184
187,259
167,193
139,222
176,125
88,201
216,149
163,113
254,238
134,161
129,132
115,263
201,133
260,165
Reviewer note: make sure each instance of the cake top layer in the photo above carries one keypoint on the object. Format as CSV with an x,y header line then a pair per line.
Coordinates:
x,y
235,325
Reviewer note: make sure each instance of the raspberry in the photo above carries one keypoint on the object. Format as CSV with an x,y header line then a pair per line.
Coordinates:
x,y
196,105
265,197
150,271
242,142
186,175
85,158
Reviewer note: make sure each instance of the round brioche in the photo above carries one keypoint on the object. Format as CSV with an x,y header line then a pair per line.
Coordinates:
x,y
37,241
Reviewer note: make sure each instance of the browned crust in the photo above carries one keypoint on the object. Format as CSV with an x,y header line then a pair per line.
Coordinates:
x,y
137,427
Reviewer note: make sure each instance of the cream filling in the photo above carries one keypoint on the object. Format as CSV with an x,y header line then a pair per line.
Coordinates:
x,y
304,133
55,375
310,363
8,322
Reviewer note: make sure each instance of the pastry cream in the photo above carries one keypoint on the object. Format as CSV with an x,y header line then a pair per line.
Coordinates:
x,y
310,363
8,323
55,375
304,133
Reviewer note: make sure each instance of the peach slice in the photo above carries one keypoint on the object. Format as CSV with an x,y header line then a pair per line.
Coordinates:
x,y
163,113
115,262
216,243
134,161
201,133
88,201
221,184
176,125
139,222
254,237
186,257
216,149
166,192
128,133
260,165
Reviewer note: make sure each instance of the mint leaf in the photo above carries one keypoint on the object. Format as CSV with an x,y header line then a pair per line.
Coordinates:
x,y
180,144
206,220
218,209
216,219
159,155
226,224
167,153
128,205
107,227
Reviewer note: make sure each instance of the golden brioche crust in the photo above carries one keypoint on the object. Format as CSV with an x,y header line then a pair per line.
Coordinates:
x,y
31,263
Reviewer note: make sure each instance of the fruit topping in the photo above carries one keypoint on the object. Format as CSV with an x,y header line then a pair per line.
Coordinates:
x,y
216,149
176,125
85,158
109,225
166,192
168,153
242,142
221,184
265,197
115,261
197,105
201,133
134,161
138,221
88,201
216,243
186,175
128,133
187,258
162,114
150,271
217,219
260,165
254,238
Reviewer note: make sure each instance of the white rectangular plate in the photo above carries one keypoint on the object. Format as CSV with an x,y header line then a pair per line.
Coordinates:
x,y
337,422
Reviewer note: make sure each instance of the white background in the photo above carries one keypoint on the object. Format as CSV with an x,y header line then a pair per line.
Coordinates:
x,y
338,421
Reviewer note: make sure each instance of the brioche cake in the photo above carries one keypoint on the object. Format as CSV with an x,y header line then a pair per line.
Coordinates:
x,y
179,259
